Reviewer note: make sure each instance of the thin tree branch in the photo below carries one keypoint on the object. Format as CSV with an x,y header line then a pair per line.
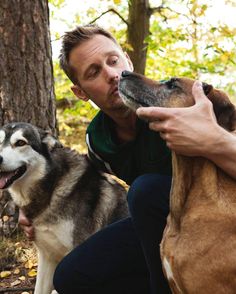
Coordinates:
x,y
110,10
160,9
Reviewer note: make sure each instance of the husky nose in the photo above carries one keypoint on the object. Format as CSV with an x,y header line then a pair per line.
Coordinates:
x,y
126,73
1,159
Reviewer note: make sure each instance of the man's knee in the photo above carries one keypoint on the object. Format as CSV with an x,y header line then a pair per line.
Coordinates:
x,y
66,280
148,190
60,278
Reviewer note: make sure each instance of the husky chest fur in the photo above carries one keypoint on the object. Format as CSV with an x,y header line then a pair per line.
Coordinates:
x,y
66,198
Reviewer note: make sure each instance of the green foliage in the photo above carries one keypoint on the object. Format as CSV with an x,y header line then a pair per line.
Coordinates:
x,y
187,44
62,91
57,3
62,83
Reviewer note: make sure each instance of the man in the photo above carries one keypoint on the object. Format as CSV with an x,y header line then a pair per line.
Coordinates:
x,y
120,143
124,256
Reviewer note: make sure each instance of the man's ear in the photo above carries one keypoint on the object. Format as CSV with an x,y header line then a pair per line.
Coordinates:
x,y
129,61
79,93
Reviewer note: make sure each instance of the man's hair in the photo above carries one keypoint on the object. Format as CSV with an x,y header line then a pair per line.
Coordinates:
x,y
74,38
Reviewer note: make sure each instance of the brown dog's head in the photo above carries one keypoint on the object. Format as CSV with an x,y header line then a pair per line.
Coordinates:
x,y
136,90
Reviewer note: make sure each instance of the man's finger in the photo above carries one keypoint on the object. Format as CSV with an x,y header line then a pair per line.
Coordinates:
x,y
155,113
198,92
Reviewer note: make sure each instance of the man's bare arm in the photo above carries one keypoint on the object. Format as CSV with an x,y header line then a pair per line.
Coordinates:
x,y
26,225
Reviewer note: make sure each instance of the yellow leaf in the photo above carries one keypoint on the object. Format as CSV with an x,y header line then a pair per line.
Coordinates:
x,y
16,271
83,112
32,273
29,264
22,278
116,1
5,274
15,283
5,218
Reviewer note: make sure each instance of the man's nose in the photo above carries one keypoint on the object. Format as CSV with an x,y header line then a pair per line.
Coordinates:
x,y
111,74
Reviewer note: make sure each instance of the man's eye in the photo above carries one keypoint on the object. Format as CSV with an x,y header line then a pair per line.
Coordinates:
x,y
20,143
114,60
93,73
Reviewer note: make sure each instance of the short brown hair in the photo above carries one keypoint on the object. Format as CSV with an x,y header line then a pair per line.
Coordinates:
x,y
74,38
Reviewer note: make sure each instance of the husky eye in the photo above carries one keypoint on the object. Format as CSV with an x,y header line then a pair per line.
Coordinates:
x,y
20,143
171,84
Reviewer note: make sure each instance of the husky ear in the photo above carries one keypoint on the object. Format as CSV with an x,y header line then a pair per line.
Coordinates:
x,y
224,110
50,141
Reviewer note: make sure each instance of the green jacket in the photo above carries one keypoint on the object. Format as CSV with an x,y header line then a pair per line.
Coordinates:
x,y
148,153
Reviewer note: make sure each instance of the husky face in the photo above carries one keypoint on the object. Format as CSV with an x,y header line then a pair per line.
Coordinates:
x,y
23,154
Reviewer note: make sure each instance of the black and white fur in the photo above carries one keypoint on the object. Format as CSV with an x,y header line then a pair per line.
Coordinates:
x,y
63,194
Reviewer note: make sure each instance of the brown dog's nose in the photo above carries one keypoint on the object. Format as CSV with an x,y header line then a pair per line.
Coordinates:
x,y
126,73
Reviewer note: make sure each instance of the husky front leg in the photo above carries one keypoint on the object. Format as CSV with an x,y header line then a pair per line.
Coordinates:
x,y
46,269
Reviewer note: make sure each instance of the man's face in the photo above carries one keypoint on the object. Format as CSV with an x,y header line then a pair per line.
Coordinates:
x,y
99,63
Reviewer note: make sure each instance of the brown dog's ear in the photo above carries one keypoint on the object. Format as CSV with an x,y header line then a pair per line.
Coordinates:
x,y
206,88
224,110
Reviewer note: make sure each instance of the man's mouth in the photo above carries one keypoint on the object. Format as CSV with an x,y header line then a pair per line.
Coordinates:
x,y
8,177
114,91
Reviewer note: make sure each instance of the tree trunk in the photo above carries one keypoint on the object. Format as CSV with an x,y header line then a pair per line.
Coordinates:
x,y
138,31
26,74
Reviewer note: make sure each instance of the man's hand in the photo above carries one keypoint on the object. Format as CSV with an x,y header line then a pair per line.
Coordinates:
x,y
26,225
191,131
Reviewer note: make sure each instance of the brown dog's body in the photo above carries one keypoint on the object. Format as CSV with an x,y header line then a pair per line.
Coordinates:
x,y
198,248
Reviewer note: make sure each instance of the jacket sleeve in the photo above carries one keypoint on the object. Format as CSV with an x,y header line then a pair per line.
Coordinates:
x,y
96,159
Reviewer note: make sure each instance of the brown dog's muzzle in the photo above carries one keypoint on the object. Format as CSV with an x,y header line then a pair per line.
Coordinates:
x,y
136,91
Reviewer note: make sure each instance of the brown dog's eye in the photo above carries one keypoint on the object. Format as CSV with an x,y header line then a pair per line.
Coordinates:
x,y
20,143
171,84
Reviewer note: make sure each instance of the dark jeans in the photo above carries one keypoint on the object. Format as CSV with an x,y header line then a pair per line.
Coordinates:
x,y
123,257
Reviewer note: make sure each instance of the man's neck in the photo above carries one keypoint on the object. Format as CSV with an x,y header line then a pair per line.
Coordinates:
x,y
125,125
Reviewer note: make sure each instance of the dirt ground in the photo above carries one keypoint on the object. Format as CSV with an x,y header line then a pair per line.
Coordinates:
x,y
18,265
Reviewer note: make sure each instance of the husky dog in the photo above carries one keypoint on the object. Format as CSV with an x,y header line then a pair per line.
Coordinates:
x,y
63,194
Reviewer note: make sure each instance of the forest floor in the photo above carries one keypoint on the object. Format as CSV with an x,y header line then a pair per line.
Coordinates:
x,y
18,265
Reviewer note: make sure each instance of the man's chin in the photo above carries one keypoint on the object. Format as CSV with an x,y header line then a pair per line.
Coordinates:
x,y
118,103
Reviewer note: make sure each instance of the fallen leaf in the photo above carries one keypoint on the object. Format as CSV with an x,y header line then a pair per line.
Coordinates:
x,y
25,293
5,218
16,271
29,264
22,278
32,273
15,283
5,274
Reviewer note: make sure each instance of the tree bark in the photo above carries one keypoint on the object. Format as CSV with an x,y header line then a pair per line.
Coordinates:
x,y
26,76
138,31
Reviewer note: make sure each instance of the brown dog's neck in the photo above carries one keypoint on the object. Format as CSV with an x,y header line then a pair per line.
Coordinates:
x,y
196,182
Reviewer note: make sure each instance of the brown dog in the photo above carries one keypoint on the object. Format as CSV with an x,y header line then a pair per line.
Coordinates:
x,y
198,248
